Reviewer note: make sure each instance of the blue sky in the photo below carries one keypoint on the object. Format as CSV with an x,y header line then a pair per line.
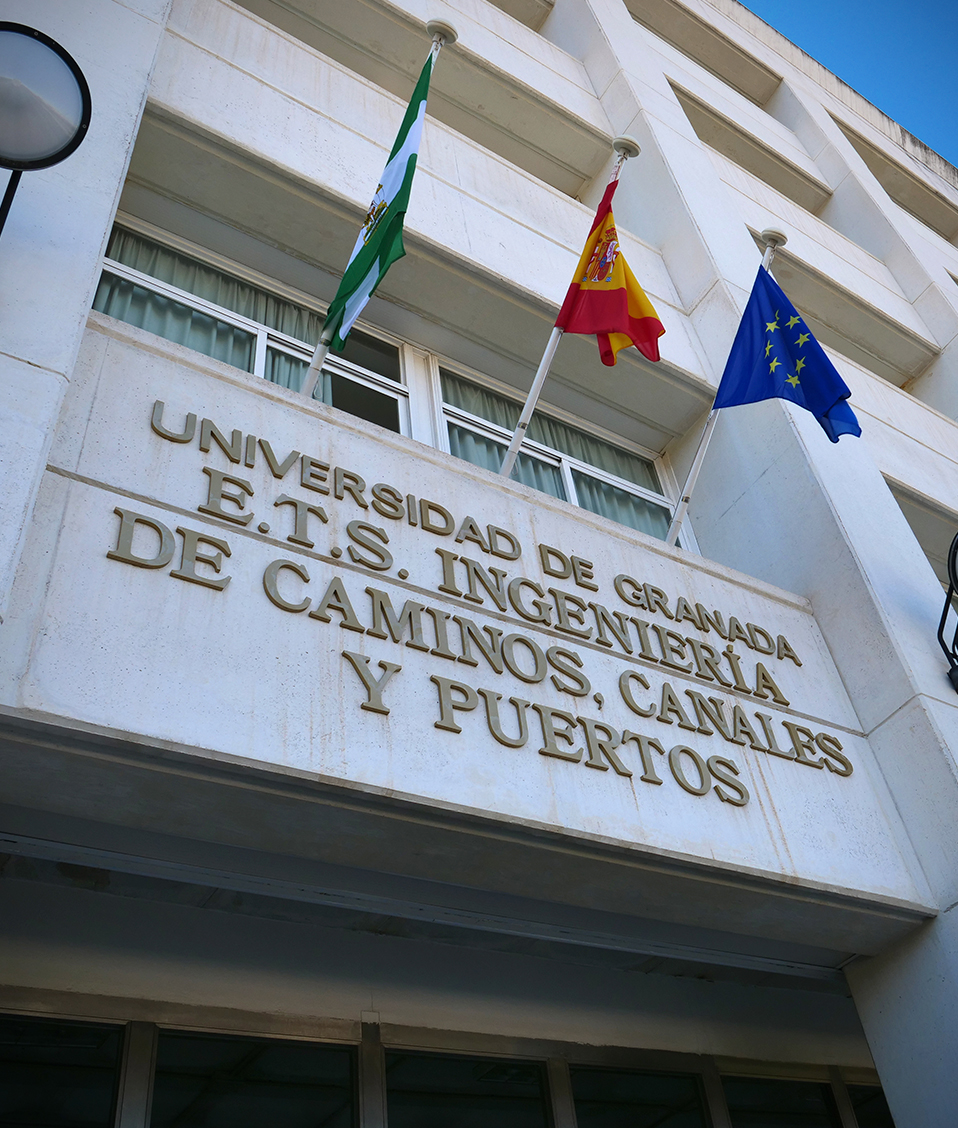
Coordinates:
x,y
900,56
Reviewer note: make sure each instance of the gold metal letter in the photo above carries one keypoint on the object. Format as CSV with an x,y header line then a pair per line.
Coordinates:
x,y
602,740
299,535
272,590
156,424
678,772
448,705
646,744
720,767
218,494
626,690
192,556
374,686
548,718
803,741
495,726
124,541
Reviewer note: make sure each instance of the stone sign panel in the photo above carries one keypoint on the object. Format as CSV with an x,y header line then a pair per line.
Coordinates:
x,y
221,566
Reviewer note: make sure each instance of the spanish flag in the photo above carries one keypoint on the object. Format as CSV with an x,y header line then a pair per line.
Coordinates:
x,y
605,298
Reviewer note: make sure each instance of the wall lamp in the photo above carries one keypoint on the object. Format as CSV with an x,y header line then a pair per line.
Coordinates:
x,y
44,104
951,651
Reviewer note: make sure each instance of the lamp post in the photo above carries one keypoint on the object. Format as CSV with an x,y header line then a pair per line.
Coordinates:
x,y
44,104
950,648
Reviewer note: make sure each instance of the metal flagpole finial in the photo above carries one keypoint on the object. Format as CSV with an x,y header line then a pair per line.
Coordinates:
x,y
442,32
773,239
626,147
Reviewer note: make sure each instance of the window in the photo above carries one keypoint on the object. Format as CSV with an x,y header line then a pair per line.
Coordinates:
x,y
556,458
441,1091
759,1102
224,1081
186,300
224,311
870,1106
57,1074
618,1098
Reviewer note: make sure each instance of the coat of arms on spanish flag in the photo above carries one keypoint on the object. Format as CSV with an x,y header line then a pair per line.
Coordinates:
x,y
605,297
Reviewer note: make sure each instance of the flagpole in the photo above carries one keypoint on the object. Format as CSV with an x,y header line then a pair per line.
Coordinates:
x,y
772,240
316,364
625,147
531,400
442,33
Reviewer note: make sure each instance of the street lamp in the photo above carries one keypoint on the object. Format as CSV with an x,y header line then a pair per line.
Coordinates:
x,y
950,648
44,104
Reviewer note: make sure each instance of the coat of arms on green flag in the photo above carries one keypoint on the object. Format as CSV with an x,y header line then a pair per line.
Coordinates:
x,y
379,243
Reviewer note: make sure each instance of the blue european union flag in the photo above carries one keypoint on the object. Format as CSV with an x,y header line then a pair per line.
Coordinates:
x,y
774,355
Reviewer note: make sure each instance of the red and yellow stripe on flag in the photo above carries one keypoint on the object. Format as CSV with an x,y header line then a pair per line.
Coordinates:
x,y
605,297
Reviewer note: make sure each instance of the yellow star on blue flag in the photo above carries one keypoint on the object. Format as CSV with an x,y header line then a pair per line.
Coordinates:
x,y
775,356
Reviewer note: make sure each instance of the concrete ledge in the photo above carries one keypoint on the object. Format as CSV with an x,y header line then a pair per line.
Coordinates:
x,y
68,770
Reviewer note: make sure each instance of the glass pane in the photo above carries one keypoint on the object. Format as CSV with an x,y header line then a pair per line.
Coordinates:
x,y
214,285
594,452
486,452
287,371
439,1091
357,399
219,1081
619,505
176,322
368,352
290,371
607,1098
550,432
334,389
57,1074
757,1102
250,301
479,401
870,1106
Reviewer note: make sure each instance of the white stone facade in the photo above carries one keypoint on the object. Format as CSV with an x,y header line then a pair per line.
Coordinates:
x,y
262,645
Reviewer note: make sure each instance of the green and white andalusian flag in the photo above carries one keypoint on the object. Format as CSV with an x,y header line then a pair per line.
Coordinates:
x,y
380,240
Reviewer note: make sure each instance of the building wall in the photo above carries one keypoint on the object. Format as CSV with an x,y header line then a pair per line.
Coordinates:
x,y
200,690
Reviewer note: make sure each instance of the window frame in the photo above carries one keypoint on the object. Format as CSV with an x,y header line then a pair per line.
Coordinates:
x,y
350,1044
422,411
566,463
264,336
55,1017
370,1041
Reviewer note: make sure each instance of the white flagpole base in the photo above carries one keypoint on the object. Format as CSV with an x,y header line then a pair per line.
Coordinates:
x,y
683,506
530,405
773,239
316,366
443,30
